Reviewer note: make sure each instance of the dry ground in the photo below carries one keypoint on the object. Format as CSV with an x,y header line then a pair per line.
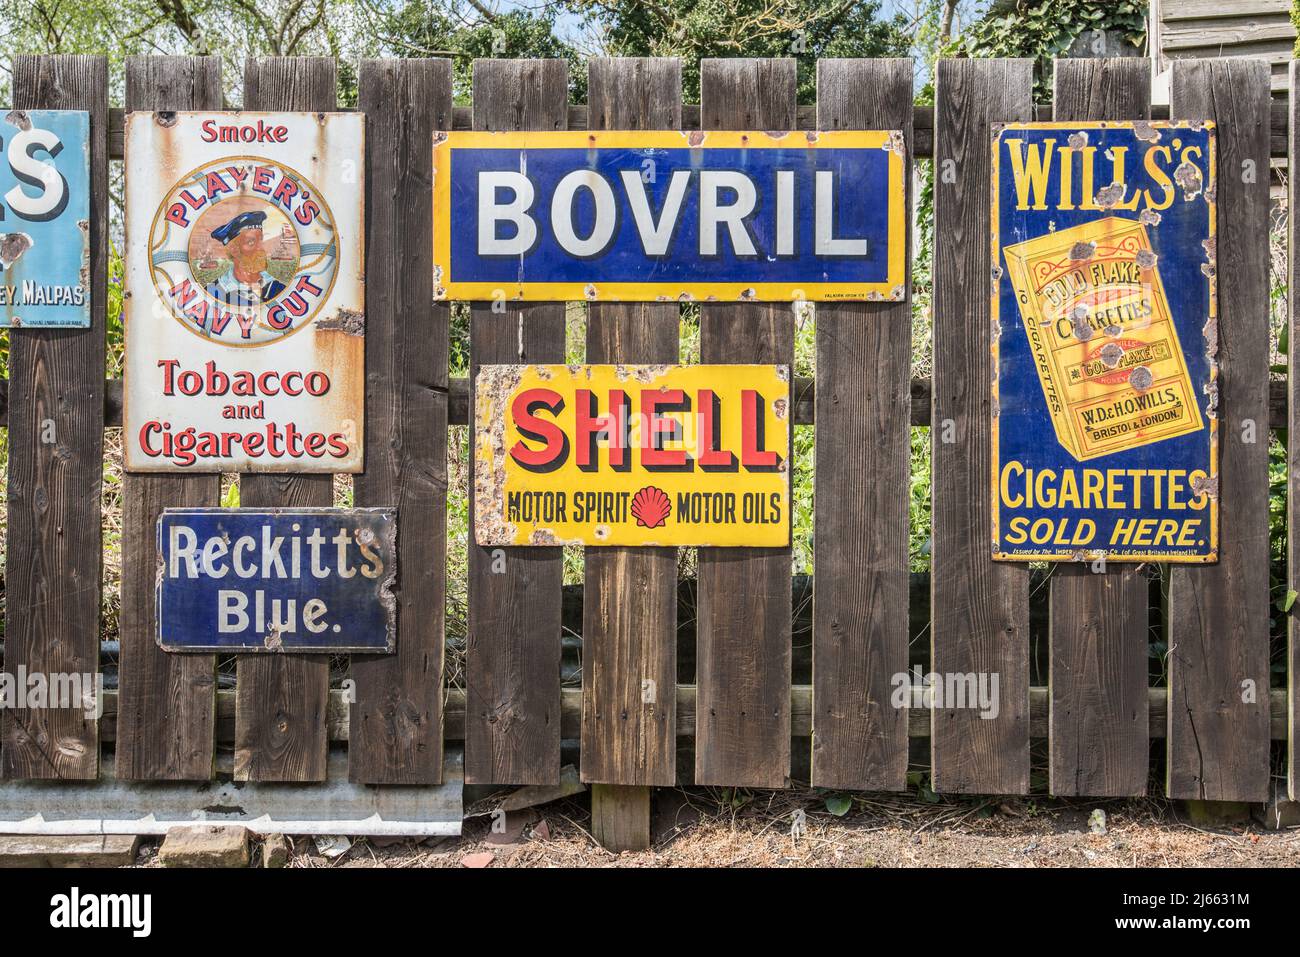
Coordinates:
x,y
710,828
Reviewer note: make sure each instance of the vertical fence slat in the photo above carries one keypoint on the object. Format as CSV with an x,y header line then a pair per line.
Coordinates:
x,y
512,666
54,557
863,415
1293,436
1218,740
1098,739
396,721
979,608
744,617
629,623
281,700
166,705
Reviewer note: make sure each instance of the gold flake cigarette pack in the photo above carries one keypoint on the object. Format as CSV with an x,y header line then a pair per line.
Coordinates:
x,y
1104,343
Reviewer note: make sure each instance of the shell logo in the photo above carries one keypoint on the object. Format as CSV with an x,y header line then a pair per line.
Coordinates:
x,y
650,507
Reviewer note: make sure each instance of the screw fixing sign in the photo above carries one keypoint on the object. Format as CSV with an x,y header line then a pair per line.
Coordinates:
x,y
244,321
1105,398
632,455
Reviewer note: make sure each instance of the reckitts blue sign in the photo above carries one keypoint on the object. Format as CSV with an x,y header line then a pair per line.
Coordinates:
x,y
277,580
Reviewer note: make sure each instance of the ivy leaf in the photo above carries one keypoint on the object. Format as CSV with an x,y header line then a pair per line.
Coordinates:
x,y
838,804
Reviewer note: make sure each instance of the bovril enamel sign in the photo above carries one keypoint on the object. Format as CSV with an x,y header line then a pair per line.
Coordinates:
x,y
245,317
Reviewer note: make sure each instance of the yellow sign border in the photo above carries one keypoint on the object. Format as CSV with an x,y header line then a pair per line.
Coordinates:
x,y
893,289
995,314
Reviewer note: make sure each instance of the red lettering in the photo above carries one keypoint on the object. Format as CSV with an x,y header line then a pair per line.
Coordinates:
x,y
285,192
590,428
168,366
711,456
752,454
654,425
555,444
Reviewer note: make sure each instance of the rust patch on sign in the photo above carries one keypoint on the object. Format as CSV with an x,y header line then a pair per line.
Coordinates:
x,y
348,321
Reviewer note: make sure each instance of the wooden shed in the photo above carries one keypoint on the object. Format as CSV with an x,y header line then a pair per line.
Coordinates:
x,y
1181,29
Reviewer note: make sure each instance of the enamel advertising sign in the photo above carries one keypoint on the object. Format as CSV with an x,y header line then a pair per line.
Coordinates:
x,y
644,216
45,219
1105,334
245,319
279,580
632,455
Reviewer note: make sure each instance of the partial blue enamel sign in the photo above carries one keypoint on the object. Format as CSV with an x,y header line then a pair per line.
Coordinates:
x,y
45,219
277,580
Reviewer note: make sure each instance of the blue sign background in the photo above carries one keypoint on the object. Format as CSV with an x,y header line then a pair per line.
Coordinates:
x,y
360,610
862,211
1025,430
60,247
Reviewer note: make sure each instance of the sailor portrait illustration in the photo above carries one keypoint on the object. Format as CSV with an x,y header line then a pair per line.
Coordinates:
x,y
246,283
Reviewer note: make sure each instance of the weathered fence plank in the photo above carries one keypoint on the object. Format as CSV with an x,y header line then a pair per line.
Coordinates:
x,y
1098,634
54,552
1218,614
397,720
281,699
979,608
864,351
629,621
167,703
744,618
512,666
1293,444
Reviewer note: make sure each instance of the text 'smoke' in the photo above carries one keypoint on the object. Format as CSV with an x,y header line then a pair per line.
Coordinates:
x,y
1105,404
45,219
277,580
666,216
632,455
245,317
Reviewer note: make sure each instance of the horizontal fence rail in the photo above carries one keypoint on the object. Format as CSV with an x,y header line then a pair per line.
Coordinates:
x,y
803,392
805,117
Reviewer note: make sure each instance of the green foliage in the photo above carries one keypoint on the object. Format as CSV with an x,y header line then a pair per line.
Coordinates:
x,y
421,28
230,497
1043,30
694,29
113,312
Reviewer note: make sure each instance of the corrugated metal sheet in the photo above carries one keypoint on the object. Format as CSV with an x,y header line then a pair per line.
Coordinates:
x,y
110,806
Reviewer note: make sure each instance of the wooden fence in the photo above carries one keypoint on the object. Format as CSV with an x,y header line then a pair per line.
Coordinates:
x,y
1099,714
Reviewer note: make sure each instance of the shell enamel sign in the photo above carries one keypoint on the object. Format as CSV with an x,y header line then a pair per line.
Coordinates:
x,y
244,308
632,455
1105,400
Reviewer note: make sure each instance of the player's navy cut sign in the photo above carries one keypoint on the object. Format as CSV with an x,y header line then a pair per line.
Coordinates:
x,y
277,580
1105,401
646,216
